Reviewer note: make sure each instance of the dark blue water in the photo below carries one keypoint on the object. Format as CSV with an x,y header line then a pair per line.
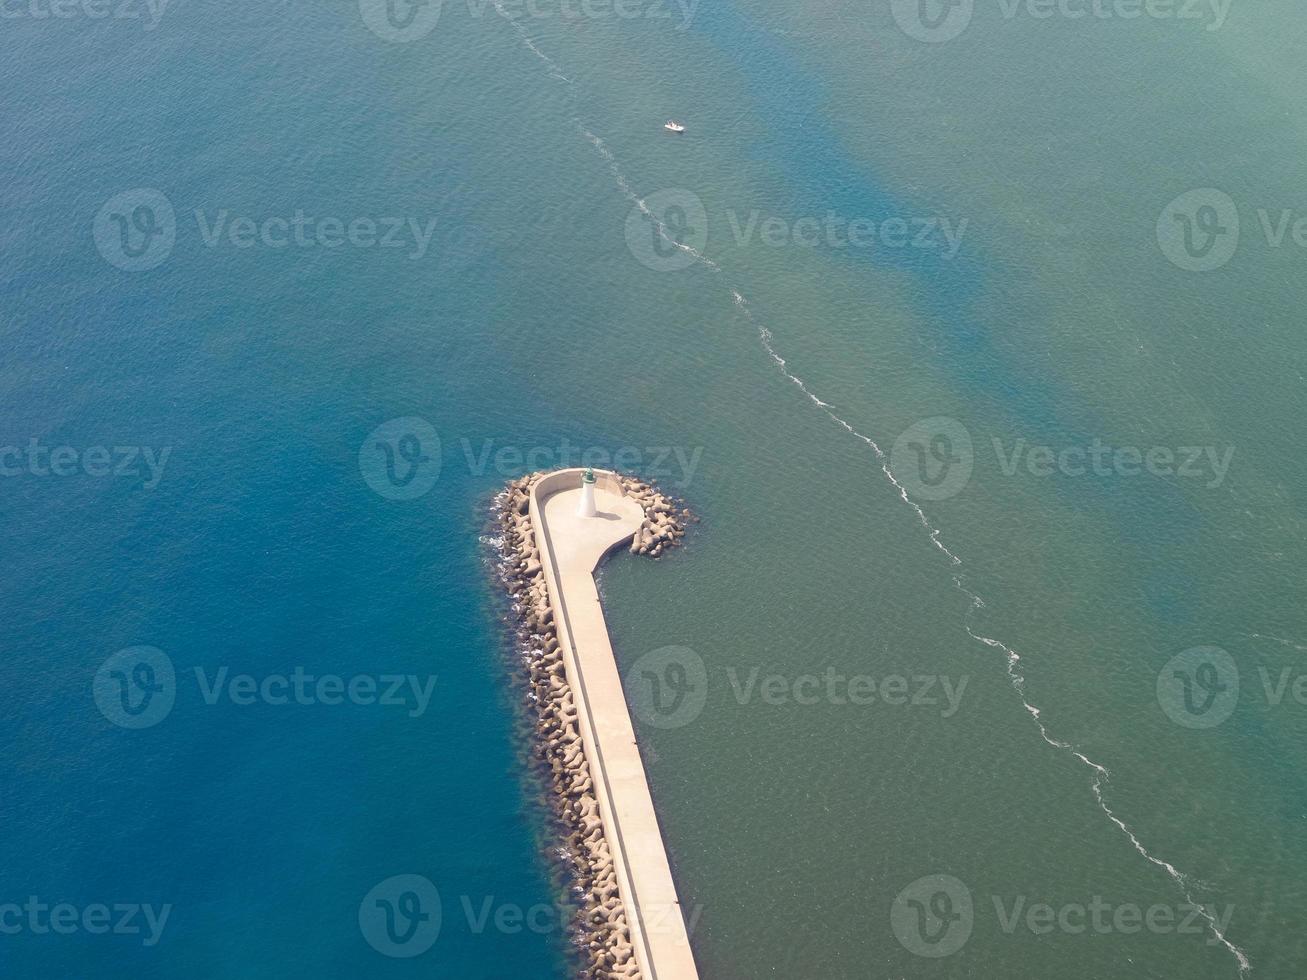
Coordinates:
x,y
259,548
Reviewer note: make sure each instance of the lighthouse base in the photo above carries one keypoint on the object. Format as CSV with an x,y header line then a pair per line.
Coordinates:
x,y
586,506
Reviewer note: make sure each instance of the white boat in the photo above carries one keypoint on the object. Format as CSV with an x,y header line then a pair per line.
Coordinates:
x,y
674,126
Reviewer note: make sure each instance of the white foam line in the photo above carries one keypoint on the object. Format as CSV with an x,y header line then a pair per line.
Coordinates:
x,y
531,46
1017,679
1101,774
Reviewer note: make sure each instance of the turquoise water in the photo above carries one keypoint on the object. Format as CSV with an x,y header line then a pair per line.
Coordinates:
x,y
525,319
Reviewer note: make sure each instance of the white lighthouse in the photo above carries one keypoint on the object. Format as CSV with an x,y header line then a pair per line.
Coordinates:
x,y
587,505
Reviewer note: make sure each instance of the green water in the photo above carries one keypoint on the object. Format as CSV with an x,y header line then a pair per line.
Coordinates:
x,y
794,826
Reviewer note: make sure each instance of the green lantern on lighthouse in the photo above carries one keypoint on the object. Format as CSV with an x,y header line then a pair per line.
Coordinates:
x,y
587,506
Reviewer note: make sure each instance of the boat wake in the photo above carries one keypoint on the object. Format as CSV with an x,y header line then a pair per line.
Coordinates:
x,y
1099,774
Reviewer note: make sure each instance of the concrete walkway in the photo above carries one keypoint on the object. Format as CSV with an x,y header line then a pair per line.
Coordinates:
x,y
571,547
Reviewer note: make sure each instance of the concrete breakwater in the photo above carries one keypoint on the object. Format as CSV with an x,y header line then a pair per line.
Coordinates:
x,y
630,923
